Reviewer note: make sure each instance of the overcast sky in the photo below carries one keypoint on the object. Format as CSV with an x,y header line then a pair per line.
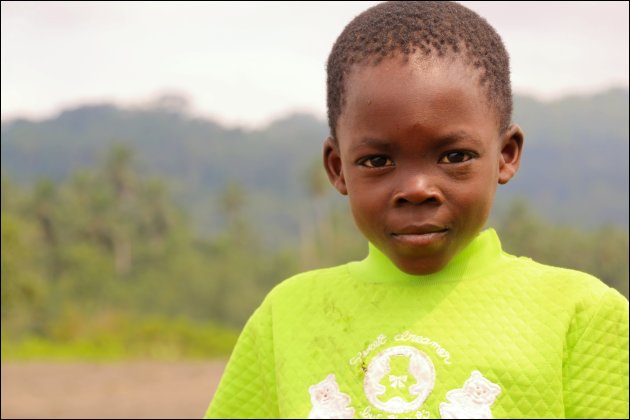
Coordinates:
x,y
249,62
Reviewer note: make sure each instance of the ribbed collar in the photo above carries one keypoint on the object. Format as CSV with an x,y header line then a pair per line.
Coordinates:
x,y
477,258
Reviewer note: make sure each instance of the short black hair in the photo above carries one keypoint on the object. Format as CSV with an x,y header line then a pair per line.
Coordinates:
x,y
428,28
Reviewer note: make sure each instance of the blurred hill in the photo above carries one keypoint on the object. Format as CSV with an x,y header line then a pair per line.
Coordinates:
x,y
575,162
574,170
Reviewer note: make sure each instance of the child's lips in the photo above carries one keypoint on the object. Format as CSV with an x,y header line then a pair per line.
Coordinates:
x,y
420,235
422,229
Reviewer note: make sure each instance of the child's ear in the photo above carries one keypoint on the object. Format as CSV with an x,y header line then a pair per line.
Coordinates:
x,y
511,150
333,166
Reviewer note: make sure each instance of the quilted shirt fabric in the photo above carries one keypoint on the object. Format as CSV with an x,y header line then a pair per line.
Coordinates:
x,y
490,335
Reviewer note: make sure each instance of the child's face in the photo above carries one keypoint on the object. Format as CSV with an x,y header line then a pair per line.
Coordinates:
x,y
419,154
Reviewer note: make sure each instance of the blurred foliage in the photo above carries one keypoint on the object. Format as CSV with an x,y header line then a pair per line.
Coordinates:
x,y
102,264
113,336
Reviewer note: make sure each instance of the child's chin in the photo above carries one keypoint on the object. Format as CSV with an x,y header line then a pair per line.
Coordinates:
x,y
420,266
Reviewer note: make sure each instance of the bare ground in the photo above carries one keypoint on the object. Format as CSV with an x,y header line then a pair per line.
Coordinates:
x,y
113,390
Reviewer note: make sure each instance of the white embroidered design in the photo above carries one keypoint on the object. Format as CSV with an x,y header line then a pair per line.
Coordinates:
x,y
419,366
473,401
328,401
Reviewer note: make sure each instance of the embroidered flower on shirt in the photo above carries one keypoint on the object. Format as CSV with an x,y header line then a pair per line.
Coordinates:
x,y
473,401
328,401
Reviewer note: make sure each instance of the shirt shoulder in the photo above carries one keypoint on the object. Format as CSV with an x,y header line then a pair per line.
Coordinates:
x,y
309,282
584,298
572,284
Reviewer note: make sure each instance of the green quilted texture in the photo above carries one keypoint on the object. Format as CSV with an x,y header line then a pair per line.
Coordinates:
x,y
491,335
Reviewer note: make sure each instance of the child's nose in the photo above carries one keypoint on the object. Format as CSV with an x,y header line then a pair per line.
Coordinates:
x,y
418,188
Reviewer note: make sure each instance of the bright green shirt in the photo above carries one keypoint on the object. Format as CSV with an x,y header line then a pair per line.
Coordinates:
x,y
490,335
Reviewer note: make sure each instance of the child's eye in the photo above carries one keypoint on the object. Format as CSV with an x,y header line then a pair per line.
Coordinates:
x,y
376,162
456,157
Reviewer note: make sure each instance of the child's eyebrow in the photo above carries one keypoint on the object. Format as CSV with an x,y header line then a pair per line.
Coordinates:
x,y
445,140
457,136
374,143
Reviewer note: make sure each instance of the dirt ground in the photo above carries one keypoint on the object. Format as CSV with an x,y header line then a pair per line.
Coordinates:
x,y
115,390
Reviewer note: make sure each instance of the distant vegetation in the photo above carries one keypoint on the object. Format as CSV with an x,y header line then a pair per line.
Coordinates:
x,y
145,233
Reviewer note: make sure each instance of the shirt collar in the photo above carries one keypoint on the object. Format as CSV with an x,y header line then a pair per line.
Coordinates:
x,y
479,256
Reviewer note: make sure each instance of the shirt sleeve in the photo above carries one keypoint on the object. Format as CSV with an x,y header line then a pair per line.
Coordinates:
x,y
595,370
248,386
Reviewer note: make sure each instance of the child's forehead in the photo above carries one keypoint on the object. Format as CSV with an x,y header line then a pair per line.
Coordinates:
x,y
394,88
406,72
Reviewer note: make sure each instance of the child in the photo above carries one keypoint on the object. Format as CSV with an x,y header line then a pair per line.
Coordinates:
x,y
437,321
